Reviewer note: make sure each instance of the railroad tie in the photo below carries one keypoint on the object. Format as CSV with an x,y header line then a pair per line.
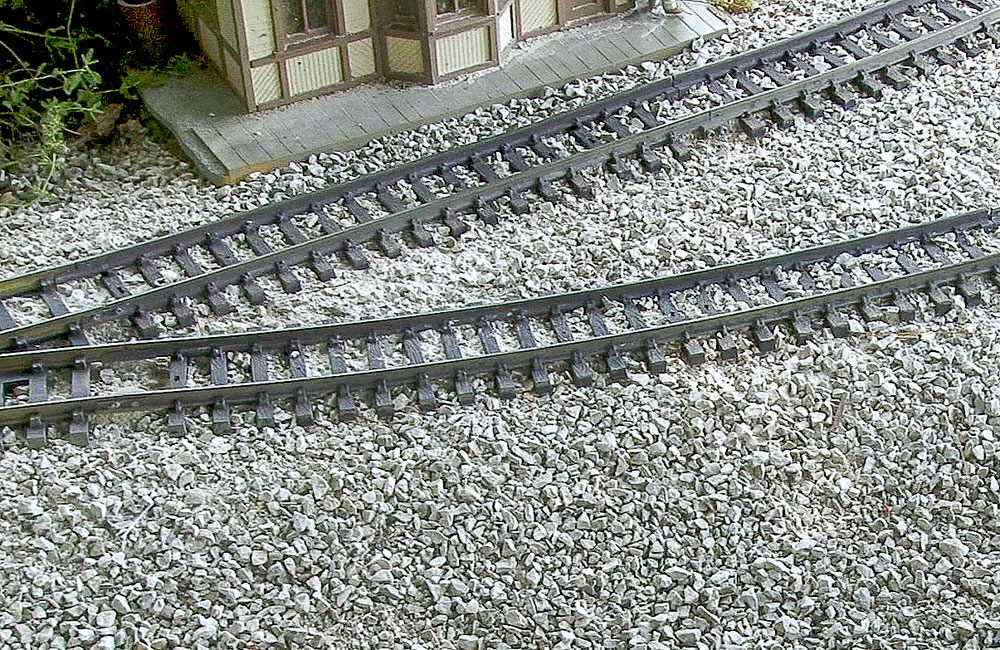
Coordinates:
x,y
486,212
219,376
615,125
514,158
220,249
780,115
541,149
652,163
384,406
763,336
149,270
548,191
518,204
112,281
584,137
506,387
842,95
426,399
727,345
181,311
869,85
484,169
966,288
321,266
645,116
619,167
36,433
252,290
448,175
347,405
143,322
541,381
389,201
355,255
217,300
452,350
837,322
904,305
251,233
390,244
358,211
421,234
617,366
580,185
456,226
802,328
424,193
293,235
694,352
184,259
52,299
264,409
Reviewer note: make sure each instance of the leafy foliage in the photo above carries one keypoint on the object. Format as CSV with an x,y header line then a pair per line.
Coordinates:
x,y
735,6
52,81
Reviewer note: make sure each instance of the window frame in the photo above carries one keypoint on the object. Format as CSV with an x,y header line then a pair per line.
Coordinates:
x,y
334,24
458,12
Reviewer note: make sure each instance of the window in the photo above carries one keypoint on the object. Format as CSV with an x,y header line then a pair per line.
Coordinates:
x,y
457,6
406,8
305,17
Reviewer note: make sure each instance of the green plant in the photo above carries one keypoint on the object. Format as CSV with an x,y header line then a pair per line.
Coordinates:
x,y
735,6
51,83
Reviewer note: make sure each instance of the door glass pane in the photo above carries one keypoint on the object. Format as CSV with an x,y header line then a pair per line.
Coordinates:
x,y
294,22
316,13
407,8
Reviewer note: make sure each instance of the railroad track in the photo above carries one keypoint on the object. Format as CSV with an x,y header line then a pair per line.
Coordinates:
x,y
443,355
156,286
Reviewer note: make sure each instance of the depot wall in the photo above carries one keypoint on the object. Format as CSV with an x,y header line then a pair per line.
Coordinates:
x,y
364,41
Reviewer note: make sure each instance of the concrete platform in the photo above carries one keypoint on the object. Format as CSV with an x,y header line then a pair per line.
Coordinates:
x,y
225,144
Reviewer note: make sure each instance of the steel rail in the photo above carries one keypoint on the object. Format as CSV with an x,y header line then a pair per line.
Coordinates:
x,y
680,82
247,393
159,298
63,357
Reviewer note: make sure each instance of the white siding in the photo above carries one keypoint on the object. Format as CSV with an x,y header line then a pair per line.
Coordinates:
x,y
314,71
537,15
227,22
463,50
404,55
266,84
209,43
362,58
259,28
505,27
234,74
357,16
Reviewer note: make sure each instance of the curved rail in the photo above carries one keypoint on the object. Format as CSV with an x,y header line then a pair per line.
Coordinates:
x,y
939,243
314,251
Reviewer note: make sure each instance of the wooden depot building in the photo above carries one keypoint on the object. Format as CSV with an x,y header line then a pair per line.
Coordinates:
x,y
274,52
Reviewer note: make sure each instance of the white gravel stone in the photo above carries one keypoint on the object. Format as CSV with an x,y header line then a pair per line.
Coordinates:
x,y
705,507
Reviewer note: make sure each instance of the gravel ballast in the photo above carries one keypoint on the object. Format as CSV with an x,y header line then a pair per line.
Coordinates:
x,y
838,494
96,210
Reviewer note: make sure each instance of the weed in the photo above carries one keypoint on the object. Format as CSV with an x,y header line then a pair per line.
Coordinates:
x,y
735,6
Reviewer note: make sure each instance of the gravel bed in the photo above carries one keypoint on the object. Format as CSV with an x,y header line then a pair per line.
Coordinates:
x,y
94,207
838,494
919,154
